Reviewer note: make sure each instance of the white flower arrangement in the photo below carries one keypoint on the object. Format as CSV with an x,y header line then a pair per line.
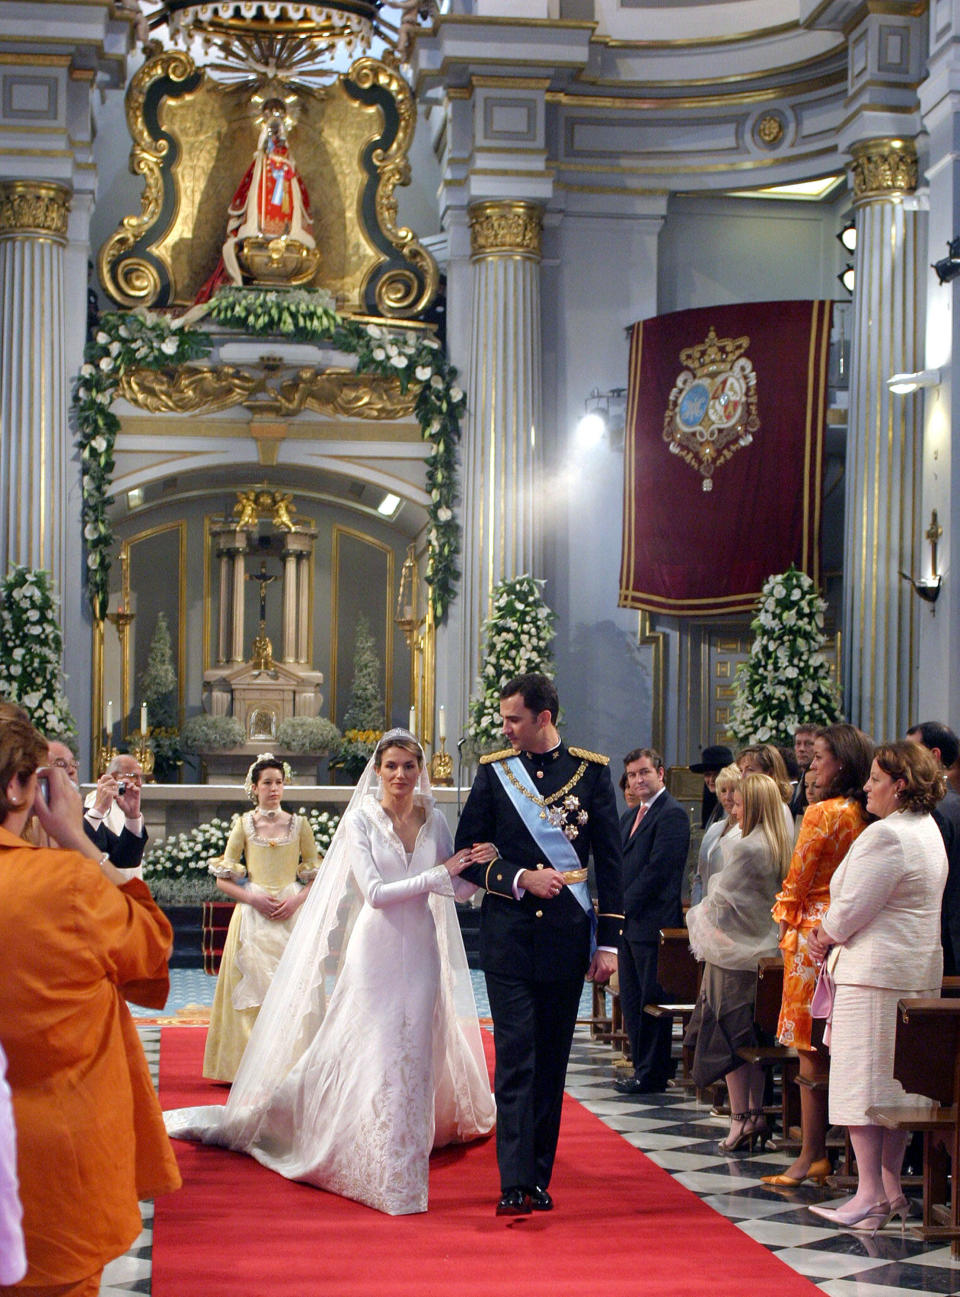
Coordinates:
x,y
31,650
785,681
518,637
144,339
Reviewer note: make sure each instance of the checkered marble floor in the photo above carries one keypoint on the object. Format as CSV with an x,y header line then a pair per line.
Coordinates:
x,y
681,1136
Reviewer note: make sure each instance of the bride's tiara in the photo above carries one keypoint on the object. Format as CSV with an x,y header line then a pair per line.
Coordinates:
x,y
391,736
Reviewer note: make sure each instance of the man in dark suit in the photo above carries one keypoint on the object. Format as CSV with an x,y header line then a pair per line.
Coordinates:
x,y
655,841
112,818
943,743
535,812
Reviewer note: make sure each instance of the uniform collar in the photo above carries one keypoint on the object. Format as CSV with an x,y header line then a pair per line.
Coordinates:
x,y
543,760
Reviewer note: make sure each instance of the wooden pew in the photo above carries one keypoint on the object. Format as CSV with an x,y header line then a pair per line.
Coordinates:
x,y
927,1061
679,973
766,1014
216,920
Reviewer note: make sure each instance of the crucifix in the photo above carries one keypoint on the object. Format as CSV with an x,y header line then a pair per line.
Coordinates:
x,y
262,648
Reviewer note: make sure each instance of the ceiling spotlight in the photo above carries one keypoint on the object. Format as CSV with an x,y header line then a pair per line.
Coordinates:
x,y
388,505
847,276
848,236
949,267
904,384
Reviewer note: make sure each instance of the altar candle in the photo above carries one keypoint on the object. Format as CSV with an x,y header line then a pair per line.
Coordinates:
x,y
413,720
143,718
442,723
109,724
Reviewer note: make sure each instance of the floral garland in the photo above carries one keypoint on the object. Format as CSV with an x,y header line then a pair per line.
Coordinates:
x,y
144,339
785,681
518,635
31,650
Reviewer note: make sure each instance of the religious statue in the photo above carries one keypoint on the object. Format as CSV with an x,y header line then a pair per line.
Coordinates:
x,y
269,229
252,505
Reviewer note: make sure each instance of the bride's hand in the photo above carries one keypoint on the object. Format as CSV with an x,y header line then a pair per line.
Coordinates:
x,y
483,853
458,862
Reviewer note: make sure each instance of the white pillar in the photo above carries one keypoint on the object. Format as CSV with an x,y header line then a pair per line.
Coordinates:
x,y
883,525
503,434
239,592
34,436
290,566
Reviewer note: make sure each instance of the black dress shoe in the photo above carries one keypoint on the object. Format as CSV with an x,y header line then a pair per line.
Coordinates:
x,y
515,1202
630,1085
540,1200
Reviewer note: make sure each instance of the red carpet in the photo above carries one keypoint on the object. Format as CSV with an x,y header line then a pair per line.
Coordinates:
x,y
622,1228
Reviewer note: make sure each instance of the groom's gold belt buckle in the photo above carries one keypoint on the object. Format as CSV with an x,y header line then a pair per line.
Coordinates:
x,y
575,875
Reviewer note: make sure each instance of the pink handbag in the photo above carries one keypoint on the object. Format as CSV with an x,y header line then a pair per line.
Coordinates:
x,y
821,1005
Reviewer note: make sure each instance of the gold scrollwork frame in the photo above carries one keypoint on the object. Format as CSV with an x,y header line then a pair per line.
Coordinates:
x,y
131,280
379,268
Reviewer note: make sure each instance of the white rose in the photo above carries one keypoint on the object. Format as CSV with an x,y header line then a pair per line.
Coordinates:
x,y
423,372
169,346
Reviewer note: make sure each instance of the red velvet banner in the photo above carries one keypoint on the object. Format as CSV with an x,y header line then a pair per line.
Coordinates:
x,y
723,454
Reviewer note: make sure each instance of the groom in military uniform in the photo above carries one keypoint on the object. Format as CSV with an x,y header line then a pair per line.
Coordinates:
x,y
535,812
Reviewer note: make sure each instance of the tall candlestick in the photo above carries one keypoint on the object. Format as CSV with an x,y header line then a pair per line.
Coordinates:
x,y
442,723
143,718
109,724
413,720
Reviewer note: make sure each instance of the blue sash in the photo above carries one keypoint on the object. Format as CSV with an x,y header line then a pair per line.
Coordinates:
x,y
552,841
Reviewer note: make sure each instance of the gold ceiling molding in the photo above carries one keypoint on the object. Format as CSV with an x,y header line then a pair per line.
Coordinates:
x,y
34,207
193,139
505,228
201,389
836,80
883,168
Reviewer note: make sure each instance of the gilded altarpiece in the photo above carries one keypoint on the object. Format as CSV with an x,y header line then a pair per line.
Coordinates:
x,y
193,141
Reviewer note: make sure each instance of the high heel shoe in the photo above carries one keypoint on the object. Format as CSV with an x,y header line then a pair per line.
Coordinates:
x,y
759,1130
818,1172
899,1207
729,1145
869,1221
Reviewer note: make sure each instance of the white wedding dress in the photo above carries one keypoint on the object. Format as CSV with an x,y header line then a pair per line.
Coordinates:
x,y
367,1051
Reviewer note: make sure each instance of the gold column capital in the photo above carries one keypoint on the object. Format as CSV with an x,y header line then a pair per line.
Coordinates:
x,y
34,207
505,228
883,168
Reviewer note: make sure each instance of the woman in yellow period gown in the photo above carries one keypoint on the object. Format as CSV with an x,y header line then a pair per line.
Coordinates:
x,y
270,860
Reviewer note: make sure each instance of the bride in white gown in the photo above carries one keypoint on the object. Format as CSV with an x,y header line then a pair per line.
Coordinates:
x,y
367,1052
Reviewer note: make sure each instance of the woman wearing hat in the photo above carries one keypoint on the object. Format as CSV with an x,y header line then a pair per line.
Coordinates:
x,y
713,760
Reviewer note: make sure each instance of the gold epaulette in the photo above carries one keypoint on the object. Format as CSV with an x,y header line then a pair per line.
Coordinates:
x,y
584,755
497,756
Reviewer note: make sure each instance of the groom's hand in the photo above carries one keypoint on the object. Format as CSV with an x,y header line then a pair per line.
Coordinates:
x,y
541,882
602,966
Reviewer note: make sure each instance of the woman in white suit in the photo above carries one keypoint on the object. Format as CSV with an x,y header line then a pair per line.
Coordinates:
x,y
884,916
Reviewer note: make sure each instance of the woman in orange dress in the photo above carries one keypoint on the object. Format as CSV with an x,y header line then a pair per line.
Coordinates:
x,y
841,763
75,938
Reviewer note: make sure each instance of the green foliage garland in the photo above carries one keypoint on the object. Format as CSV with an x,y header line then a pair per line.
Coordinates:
x,y
31,651
785,680
518,635
143,339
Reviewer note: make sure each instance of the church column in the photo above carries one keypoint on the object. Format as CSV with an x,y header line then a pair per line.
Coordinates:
x,y
290,565
297,548
883,523
34,436
502,452
238,554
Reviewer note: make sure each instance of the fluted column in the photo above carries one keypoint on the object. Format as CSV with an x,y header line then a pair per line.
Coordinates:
x,y
297,548
223,610
290,564
503,434
34,438
883,525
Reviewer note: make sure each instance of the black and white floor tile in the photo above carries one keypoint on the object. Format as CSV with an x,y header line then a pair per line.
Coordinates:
x,y
681,1136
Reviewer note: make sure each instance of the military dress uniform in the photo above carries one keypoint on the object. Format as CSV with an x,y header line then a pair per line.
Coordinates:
x,y
535,951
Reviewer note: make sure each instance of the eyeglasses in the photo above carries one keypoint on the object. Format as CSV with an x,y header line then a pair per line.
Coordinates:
x,y
70,766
